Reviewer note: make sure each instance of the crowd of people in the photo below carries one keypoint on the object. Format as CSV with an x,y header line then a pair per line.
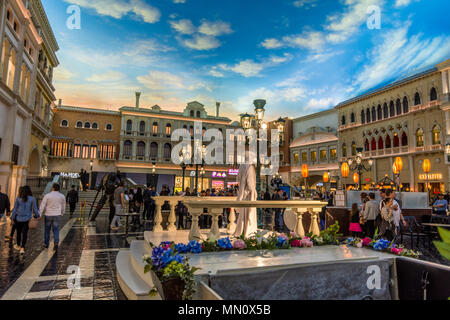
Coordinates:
x,y
26,215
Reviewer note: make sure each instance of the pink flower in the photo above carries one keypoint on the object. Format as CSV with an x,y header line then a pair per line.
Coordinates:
x,y
396,251
296,244
293,234
306,242
239,244
359,245
366,241
284,236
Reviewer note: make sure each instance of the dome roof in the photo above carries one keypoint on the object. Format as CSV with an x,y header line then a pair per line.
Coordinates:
x,y
313,138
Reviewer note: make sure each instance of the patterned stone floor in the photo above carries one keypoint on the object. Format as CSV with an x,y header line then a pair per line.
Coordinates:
x,y
82,269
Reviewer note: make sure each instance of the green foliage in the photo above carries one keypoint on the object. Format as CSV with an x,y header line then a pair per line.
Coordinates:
x,y
444,245
328,236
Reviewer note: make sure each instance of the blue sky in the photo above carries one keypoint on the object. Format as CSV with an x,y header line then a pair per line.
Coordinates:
x,y
302,56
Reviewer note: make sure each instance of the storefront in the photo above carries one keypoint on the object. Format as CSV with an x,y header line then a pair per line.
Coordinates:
x,y
434,181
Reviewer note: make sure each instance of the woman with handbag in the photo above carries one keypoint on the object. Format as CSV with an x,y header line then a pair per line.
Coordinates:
x,y
22,215
387,223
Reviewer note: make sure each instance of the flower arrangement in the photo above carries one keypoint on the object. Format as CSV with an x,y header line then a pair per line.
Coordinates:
x,y
382,245
172,275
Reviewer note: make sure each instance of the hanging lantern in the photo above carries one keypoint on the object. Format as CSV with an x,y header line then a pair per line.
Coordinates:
x,y
305,171
399,164
356,178
426,166
345,170
395,169
326,177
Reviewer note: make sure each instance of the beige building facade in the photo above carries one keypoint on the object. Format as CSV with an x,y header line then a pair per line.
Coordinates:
x,y
404,119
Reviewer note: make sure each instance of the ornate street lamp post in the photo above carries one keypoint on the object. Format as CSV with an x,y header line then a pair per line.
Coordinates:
x,y
305,175
397,169
359,167
427,169
345,172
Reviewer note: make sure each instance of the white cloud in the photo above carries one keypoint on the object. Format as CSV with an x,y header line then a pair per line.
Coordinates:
x,y
322,56
162,80
318,104
63,74
215,29
308,39
402,3
202,42
120,8
179,1
184,26
247,68
272,43
399,55
216,73
305,3
107,77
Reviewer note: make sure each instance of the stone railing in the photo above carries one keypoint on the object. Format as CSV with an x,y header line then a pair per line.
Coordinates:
x,y
215,208
173,201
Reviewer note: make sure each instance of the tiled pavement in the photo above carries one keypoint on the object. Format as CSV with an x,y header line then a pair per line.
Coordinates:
x,y
88,252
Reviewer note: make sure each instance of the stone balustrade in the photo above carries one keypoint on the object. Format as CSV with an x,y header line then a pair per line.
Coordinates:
x,y
216,205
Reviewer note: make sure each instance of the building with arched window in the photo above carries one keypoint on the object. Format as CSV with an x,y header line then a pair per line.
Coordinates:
x,y
415,112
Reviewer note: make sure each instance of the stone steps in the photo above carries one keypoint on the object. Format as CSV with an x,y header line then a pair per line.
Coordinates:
x,y
134,283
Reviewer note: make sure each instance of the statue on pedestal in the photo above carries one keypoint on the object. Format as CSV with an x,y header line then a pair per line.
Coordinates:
x,y
247,223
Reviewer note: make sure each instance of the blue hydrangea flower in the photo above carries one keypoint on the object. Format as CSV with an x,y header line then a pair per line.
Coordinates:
x,y
281,242
194,247
182,248
225,243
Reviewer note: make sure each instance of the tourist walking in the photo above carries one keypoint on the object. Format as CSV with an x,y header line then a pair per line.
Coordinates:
x,y
387,228
371,213
119,205
24,208
355,227
72,199
397,212
53,207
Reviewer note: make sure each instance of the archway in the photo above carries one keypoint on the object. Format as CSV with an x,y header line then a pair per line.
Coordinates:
x,y
34,163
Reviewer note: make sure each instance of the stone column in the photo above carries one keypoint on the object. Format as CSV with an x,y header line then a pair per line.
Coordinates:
x,y
2,31
411,172
314,228
215,231
158,216
172,217
445,81
299,229
232,222
122,143
195,234
134,150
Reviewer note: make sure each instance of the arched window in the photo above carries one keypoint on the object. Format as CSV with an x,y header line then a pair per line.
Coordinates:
x,y
368,115
198,114
436,135
366,145
154,150
142,128
417,100
129,126
380,144
168,129
388,143
87,125
128,148
419,138
374,144
374,114
379,112
140,150
353,118
79,124
155,128
396,140
64,123
167,151
363,117
385,111
399,107
354,149
95,126
392,109
109,127
404,139
433,94
192,113
344,150
343,120
405,105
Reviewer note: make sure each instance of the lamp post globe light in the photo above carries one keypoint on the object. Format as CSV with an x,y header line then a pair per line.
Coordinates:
x,y
358,166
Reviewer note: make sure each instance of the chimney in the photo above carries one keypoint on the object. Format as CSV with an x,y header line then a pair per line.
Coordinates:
x,y
138,97
217,109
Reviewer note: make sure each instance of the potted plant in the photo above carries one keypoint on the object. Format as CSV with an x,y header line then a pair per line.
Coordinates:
x,y
171,273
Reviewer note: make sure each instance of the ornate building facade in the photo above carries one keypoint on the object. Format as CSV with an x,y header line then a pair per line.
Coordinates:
x,y
28,57
406,118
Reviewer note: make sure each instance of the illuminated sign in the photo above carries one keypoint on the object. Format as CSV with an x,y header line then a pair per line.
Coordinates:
x,y
70,175
432,176
222,175
233,172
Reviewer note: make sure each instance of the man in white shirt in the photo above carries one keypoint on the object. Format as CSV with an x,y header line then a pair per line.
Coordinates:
x,y
53,206
397,212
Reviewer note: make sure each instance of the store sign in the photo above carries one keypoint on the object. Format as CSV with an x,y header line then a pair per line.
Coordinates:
x,y
433,176
70,175
233,172
222,175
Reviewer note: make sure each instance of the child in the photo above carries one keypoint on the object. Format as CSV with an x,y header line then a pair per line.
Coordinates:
x,y
355,227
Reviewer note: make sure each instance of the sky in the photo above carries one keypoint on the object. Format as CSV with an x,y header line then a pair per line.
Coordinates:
x,y
302,56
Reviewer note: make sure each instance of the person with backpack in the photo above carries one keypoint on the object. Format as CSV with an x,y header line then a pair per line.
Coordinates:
x,y
72,199
24,208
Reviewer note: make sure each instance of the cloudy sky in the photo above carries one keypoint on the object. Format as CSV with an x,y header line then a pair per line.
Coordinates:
x,y
302,56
